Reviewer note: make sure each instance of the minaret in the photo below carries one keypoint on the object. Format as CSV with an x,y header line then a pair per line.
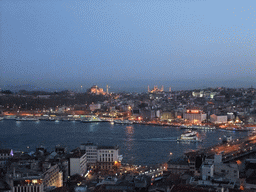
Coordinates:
x,y
107,89
148,89
162,89
170,89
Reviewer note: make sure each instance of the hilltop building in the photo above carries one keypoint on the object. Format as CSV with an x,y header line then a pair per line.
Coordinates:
x,y
96,90
156,89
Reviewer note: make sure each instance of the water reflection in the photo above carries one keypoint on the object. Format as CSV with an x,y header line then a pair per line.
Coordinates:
x,y
18,123
93,127
129,143
129,133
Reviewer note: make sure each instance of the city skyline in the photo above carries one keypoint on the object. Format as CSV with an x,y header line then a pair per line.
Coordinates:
x,y
127,45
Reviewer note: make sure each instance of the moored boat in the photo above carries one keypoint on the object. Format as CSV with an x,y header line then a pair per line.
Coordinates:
x,y
126,122
92,119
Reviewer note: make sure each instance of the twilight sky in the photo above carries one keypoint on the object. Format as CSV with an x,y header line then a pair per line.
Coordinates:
x,y
178,43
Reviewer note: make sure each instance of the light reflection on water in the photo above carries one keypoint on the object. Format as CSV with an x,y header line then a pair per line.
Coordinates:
x,y
138,144
129,132
93,127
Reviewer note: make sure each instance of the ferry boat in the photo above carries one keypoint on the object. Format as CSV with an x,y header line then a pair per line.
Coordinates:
x,y
123,122
197,127
27,119
92,119
189,136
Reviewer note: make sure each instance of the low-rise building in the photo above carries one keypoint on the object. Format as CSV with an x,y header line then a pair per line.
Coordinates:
x,y
167,116
207,171
219,118
178,166
5,154
228,171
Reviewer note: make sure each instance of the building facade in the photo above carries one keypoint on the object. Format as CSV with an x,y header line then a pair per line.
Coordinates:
x,y
195,116
77,164
5,154
219,118
108,156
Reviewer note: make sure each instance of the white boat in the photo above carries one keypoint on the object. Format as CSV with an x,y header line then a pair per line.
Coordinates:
x,y
197,127
123,122
27,119
189,136
92,119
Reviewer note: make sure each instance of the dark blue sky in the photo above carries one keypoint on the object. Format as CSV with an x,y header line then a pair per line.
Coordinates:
x,y
178,43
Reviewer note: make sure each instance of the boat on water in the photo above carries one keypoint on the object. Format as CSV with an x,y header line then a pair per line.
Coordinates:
x,y
227,139
27,119
92,119
124,122
197,127
189,136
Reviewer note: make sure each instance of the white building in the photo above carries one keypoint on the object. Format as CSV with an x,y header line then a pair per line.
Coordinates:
x,y
107,156
77,164
207,171
102,157
53,177
219,118
91,154
195,116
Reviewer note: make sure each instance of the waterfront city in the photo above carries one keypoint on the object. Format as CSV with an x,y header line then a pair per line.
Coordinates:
x,y
98,140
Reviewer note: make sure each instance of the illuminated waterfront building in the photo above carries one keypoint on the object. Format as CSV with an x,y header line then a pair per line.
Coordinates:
x,y
194,115
219,118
